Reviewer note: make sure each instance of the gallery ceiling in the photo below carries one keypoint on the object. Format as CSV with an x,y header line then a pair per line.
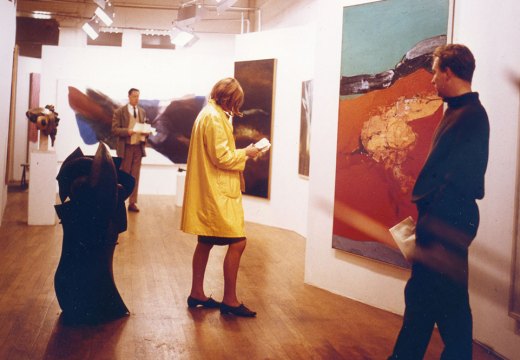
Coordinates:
x,y
150,14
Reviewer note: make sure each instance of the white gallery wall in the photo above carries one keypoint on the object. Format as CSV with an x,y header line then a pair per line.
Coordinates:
x,y
293,49
490,31
7,41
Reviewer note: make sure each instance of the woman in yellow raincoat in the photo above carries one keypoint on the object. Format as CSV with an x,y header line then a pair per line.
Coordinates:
x,y
212,198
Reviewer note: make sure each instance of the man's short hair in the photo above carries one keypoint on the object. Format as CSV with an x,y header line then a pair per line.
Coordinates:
x,y
458,58
132,90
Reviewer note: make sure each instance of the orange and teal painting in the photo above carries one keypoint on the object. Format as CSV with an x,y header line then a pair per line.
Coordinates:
x,y
388,112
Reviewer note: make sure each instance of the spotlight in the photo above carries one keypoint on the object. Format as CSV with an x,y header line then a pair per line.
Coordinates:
x,y
182,37
107,20
223,5
188,15
41,15
100,3
92,29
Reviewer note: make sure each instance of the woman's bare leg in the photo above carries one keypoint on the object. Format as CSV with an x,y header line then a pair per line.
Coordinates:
x,y
200,260
231,264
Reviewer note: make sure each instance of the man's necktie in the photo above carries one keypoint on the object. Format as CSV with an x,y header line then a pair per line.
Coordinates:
x,y
135,113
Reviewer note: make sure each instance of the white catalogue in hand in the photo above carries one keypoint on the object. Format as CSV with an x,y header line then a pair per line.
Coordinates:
x,y
144,129
263,145
404,236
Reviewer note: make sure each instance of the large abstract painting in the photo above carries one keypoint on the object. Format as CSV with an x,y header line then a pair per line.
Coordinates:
x,y
388,111
88,111
257,78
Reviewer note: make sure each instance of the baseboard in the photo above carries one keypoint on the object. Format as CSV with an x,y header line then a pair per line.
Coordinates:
x,y
489,350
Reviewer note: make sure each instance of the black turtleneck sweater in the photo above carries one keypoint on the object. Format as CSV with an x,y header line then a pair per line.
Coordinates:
x,y
459,154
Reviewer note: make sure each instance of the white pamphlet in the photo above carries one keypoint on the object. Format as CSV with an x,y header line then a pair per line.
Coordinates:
x,y
144,128
404,236
263,145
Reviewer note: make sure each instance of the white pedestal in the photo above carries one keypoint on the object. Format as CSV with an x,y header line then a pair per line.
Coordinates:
x,y
42,188
181,180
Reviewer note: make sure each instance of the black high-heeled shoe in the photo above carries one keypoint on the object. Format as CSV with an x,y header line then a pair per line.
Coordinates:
x,y
210,303
240,310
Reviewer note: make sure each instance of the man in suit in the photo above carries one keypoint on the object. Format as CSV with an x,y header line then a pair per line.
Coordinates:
x,y
445,194
130,144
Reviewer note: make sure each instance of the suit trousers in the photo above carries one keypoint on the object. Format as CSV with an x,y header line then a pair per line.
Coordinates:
x,y
434,298
132,165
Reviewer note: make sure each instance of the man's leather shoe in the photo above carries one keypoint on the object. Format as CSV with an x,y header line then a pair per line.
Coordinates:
x,y
133,207
210,303
240,310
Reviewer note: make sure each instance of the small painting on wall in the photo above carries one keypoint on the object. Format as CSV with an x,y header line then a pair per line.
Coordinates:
x,y
257,78
388,111
305,128
34,102
514,299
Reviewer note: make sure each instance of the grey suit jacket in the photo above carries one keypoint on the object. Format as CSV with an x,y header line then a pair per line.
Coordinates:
x,y
120,121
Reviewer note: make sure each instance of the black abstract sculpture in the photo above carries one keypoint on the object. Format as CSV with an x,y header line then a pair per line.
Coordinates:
x,y
92,218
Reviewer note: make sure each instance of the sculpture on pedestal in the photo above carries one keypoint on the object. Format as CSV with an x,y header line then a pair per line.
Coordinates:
x,y
92,191
46,120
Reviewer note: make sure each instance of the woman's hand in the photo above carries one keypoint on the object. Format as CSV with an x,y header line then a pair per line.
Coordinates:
x,y
251,151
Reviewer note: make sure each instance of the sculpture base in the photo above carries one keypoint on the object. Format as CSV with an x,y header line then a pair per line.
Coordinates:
x,y
42,188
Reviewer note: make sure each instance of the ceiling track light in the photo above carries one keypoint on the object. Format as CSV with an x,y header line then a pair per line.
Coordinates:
x,y
182,37
101,3
103,16
91,28
104,13
223,5
45,15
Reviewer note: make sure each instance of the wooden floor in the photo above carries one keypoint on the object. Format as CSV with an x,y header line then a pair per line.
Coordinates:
x,y
152,268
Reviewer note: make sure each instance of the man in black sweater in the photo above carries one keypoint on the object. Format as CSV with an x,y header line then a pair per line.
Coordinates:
x,y
445,194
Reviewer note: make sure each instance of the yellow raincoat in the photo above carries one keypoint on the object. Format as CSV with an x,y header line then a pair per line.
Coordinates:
x,y
212,197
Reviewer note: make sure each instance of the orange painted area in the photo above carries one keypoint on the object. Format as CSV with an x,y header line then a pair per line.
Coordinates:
x,y
365,186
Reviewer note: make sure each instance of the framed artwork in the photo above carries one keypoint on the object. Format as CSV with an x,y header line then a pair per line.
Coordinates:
x,y
388,111
257,78
514,293
9,154
305,128
514,300
34,102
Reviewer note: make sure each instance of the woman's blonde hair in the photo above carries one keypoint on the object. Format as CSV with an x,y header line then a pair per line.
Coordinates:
x,y
229,95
